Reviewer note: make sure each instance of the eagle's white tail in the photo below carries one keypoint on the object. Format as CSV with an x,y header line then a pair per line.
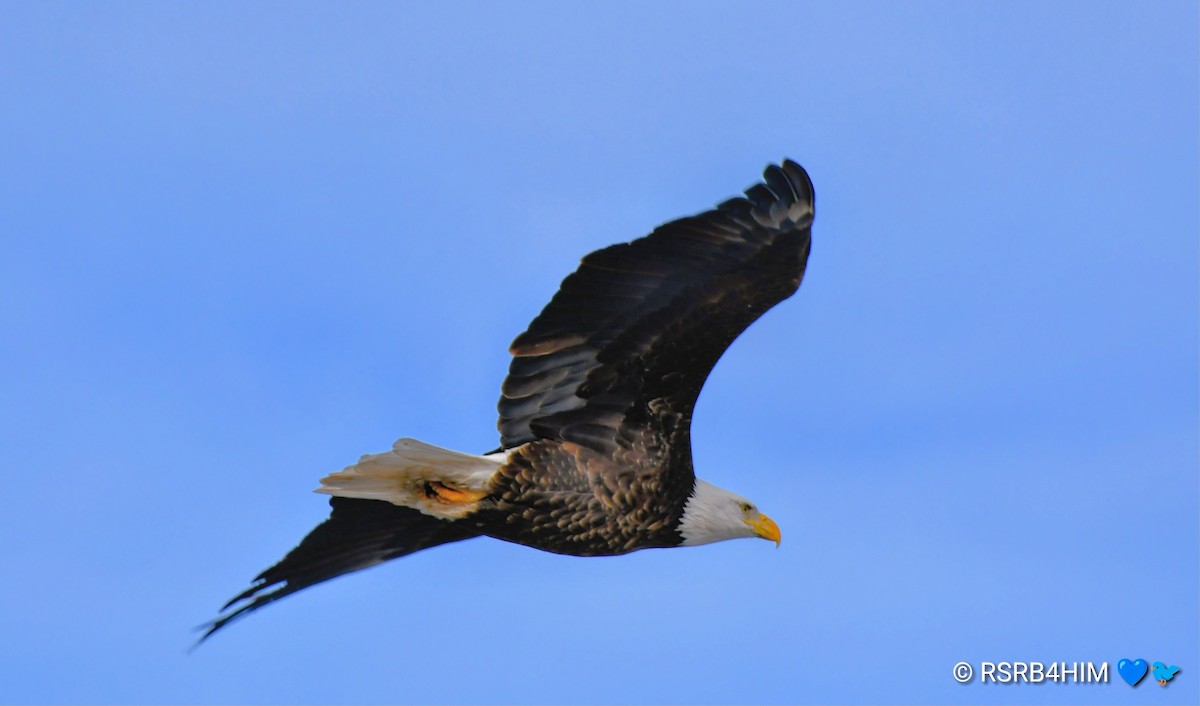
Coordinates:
x,y
438,482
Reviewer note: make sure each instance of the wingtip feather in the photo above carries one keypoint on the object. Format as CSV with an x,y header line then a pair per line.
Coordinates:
x,y
784,198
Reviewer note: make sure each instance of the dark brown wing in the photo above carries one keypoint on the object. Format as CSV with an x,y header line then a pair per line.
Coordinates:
x,y
358,534
627,342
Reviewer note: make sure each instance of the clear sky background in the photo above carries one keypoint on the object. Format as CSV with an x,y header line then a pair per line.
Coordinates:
x,y
242,245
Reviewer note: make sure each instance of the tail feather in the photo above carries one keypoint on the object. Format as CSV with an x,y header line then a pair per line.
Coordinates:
x,y
400,477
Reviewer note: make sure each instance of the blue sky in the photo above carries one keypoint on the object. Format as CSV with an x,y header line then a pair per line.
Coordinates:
x,y
244,245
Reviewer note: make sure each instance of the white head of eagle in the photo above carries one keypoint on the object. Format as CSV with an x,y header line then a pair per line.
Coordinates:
x,y
713,514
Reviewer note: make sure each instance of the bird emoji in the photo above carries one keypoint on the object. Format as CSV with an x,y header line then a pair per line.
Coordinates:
x,y
1163,673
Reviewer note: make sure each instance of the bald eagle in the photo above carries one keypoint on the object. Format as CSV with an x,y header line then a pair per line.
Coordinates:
x,y
595,453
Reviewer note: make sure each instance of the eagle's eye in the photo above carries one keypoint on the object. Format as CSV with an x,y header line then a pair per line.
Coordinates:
x,y
747,507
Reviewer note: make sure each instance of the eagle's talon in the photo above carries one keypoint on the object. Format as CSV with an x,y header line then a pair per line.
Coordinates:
x,y
450,496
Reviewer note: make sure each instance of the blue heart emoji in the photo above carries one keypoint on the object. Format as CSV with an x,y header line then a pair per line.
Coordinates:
x,y
1132,672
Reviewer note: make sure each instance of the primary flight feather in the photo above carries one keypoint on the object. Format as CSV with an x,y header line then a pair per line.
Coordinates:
x,y
595,452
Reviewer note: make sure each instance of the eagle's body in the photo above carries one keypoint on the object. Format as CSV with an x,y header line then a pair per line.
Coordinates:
x,y
595,414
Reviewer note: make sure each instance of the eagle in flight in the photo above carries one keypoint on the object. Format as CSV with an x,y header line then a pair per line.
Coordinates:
x,y
595,455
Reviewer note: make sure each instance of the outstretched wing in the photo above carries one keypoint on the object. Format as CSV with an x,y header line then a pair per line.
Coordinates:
x,y
630,337
358,534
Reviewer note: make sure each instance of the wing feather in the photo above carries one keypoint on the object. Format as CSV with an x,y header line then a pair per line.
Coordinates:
x,y
632,334
358,534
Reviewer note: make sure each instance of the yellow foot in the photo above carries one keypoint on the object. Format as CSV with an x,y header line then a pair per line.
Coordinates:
x,y
451,496
1162,682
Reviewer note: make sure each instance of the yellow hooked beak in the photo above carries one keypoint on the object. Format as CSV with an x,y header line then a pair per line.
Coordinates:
x,y
766,528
